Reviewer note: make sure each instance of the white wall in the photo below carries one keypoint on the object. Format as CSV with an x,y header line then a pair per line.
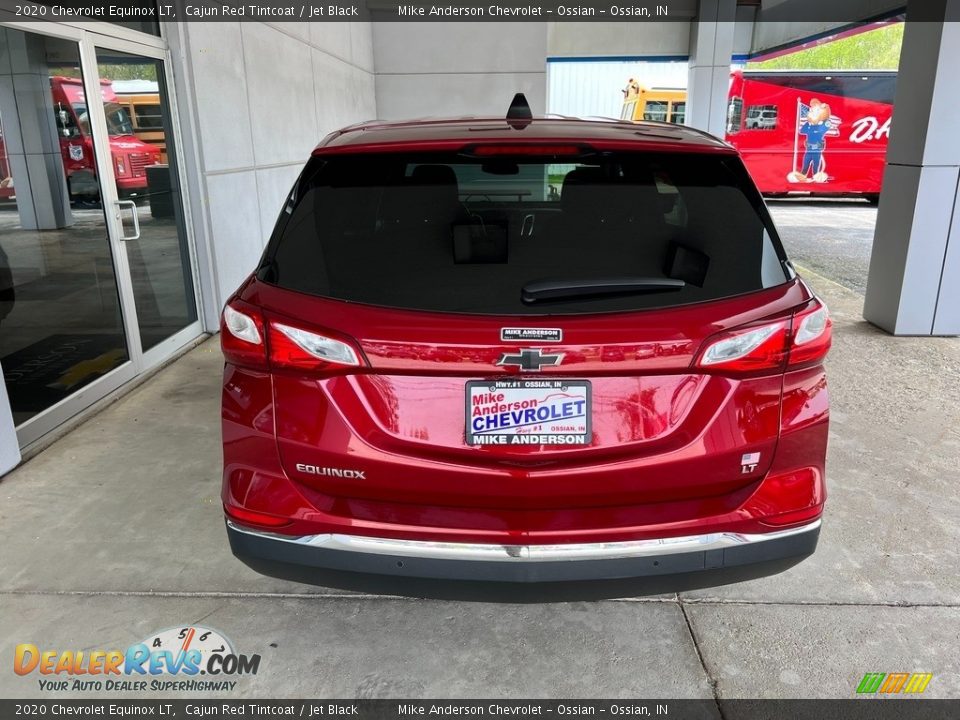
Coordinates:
x,y
444,69
598,39
261,97
594,87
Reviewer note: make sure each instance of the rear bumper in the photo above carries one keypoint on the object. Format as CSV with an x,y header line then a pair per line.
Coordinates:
x,y
691,561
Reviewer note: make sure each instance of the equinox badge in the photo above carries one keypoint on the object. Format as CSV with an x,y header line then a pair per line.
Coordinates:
x,y
331,471
530,359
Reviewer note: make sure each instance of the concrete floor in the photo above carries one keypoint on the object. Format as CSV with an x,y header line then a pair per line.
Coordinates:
x,y
115,532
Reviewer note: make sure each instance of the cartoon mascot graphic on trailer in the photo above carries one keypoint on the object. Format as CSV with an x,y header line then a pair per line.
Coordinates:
x,y
816,124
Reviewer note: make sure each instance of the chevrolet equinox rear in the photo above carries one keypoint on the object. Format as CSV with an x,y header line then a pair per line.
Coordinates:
x,y
524,351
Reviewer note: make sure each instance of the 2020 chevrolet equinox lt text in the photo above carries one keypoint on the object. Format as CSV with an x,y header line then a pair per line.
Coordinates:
x,y
524,350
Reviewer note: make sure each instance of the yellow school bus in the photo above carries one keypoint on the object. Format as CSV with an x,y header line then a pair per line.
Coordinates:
x,y
145,115
662,104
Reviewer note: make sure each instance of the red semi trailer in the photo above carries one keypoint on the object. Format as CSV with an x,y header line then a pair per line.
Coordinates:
x,y
818,133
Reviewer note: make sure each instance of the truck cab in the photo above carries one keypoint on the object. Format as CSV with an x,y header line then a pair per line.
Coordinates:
x,y
130,155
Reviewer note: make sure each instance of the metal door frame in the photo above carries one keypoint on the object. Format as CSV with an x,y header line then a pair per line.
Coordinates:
x,y
89,37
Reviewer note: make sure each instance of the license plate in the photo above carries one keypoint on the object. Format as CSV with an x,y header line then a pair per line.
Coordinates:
x,y
528,412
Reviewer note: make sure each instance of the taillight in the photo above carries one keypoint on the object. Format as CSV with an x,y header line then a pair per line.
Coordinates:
x,y
787,343
241,335
250,340
812,335
748,349
292,347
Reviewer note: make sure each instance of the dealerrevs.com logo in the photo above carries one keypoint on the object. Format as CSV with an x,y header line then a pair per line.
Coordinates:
x,y
183,659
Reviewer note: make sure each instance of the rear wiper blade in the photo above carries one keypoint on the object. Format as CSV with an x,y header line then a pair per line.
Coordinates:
x,y
563,289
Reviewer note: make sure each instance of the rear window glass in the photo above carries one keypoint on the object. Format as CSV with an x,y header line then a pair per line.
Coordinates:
x,y
521,236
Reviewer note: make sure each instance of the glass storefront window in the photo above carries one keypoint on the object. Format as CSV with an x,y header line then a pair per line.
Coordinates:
x,y
145,170
61,324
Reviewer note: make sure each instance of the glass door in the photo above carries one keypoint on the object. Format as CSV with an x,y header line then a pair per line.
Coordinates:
x,y
148,210
64,340
96,271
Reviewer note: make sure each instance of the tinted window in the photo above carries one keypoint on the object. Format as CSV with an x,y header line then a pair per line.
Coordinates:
x,y
449,233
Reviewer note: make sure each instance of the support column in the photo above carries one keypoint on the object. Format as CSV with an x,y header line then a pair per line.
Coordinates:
x,y
914,283
711,49
30,133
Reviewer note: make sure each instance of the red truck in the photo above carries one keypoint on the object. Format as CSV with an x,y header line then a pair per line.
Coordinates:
x,y
821,133
130,155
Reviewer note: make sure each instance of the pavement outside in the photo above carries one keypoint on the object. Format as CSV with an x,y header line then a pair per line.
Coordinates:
x,y
115,532
830,237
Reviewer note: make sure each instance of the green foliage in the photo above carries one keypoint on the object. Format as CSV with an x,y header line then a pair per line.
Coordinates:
x,y
872,50
145,71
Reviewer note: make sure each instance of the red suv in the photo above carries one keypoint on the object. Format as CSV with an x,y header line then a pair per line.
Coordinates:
x,y
524,350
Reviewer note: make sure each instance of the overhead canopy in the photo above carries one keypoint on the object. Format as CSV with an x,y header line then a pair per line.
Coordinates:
x,y
781,24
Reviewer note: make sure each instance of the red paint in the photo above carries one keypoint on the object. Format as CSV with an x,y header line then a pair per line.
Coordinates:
x,y
441,135
129,154
669,435
855,147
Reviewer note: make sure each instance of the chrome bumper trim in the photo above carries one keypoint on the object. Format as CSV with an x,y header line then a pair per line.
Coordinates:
x,y
527,553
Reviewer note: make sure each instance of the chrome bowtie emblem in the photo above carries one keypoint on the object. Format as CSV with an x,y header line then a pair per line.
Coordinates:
x,y
530,359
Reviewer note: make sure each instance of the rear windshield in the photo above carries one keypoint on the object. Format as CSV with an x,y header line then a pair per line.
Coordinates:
x,y
524,235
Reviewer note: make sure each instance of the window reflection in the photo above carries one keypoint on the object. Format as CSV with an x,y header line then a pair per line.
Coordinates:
x,y
60,321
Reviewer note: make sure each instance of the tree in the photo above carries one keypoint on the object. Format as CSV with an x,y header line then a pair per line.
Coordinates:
x,y
877,49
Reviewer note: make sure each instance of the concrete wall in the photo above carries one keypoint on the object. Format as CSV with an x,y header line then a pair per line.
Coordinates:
x,y
260,97
712,40
428,69
913,284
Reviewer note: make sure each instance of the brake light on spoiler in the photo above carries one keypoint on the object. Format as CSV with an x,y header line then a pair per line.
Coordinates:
x,y
250,340
534,149
788,343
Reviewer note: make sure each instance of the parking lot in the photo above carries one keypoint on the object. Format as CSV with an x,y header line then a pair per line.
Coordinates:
x,y
830,237
115,531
